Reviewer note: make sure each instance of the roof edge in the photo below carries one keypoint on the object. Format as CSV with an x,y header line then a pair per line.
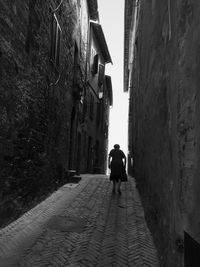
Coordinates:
x,y
101,38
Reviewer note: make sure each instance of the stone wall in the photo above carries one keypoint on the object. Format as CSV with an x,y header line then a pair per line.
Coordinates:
x,y
165,118
35,100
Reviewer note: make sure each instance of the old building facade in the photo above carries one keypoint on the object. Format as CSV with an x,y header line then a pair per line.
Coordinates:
x,y
161,73
44,50
98,99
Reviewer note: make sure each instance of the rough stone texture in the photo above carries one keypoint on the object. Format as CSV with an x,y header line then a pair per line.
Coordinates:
x,y
35,113
164,119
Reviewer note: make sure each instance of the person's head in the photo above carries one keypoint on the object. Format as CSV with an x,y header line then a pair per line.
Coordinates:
x,y
116,146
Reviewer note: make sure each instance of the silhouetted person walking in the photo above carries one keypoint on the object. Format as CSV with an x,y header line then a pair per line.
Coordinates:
x,y
117,164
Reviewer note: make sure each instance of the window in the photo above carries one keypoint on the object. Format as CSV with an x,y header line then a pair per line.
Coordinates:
x,y
95,64
55,42
191,250
101,74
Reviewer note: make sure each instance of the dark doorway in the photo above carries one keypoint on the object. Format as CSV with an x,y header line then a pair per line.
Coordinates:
x,y
89,155
97,168
78,162
72,138
191,251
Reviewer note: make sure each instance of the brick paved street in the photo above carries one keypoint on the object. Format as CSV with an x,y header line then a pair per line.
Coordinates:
x,y
83,225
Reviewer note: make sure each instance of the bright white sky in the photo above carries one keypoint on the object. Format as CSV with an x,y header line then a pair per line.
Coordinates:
x,y
111,15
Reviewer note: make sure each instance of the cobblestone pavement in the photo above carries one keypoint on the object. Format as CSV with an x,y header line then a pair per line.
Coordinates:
x,y
85,225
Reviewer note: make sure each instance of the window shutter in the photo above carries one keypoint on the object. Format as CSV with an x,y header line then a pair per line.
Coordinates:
x,y
95,64
101,74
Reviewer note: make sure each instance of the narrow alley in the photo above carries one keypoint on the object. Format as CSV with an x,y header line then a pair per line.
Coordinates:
x,y
77,79
81,225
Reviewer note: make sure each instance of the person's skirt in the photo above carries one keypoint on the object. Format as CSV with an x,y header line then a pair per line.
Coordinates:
x,y
118,172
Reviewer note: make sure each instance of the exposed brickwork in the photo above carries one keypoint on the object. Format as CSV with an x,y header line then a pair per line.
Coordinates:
x,y
113,231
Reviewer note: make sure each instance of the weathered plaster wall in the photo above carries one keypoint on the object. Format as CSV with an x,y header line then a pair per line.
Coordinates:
x,y
189,113
166,123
